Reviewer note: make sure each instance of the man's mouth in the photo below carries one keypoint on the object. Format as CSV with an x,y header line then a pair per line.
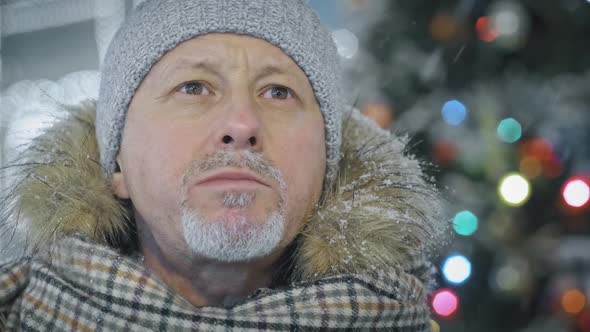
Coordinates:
x,y
232,178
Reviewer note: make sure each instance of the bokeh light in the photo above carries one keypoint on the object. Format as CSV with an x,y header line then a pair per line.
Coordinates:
x,y
359,4
573,301
347,44
507,22
456,269
537,148
507,278
443,27
445,302
444,152
584,321
510,20
512,278
542,151
530,167
465,223
509,130
514,189
576,192
381,113
553,167
485,30
454,112
434,327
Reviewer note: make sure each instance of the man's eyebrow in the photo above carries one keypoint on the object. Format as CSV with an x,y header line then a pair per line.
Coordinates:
x,y
204,64
270,70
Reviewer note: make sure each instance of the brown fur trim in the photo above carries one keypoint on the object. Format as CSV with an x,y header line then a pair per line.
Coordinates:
x,y
380,215
59,187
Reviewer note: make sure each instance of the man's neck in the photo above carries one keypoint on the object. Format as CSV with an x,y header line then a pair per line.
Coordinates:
x,y
203,281
210,283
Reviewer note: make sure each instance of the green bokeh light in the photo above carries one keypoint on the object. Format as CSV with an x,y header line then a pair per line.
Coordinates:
x,y
509,130
465,223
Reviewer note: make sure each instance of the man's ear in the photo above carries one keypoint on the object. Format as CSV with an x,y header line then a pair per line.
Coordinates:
x,y
119,184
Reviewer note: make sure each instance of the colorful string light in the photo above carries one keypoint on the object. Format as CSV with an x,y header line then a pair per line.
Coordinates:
x,y
347,44
537,153
573,301
465,223
509,130
456,269
454,112
514,189
445,302
485,30
576,192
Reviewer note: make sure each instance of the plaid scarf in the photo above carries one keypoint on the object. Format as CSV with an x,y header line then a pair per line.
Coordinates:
x,y
81,286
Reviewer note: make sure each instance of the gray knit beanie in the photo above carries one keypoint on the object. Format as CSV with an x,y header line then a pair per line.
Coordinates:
x,y
157,26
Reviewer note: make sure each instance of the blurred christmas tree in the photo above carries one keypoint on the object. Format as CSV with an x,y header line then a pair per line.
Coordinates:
x,y
497,94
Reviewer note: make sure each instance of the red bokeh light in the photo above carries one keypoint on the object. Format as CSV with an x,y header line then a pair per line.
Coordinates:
x,y
445,302
485,30
444,152
542,151
584,321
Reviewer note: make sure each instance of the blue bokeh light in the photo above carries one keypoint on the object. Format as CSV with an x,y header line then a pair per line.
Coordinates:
x,y
454,112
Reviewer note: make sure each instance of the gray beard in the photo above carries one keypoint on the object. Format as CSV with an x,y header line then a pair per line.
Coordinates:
x,y
238,240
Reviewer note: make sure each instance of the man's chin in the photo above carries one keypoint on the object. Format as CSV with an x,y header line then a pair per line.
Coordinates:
x,y
236,216
233,236
238,222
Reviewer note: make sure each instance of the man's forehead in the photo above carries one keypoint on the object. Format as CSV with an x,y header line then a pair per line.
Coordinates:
x,y
229,51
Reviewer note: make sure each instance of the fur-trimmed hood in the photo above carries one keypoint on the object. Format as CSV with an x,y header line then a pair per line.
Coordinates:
x,y
381,214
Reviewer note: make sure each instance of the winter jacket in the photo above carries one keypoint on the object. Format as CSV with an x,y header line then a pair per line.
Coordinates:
x,y
360,262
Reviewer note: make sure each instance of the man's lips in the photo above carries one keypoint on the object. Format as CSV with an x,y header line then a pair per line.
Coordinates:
x,y
231,178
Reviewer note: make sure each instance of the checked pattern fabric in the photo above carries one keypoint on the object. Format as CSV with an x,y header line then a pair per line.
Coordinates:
x,y
82,286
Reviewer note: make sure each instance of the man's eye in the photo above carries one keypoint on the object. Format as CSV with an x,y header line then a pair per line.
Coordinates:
x,y
194,88
278,92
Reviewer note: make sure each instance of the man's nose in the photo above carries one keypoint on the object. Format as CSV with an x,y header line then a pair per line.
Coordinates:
x,y
241,126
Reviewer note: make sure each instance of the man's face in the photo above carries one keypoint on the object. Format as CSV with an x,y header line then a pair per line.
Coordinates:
x,y
223,151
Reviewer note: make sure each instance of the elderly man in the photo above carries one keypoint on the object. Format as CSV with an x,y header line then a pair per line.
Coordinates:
x,y
228,187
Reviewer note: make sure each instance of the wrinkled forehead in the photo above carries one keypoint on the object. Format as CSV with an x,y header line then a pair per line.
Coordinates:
x,y
228,53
